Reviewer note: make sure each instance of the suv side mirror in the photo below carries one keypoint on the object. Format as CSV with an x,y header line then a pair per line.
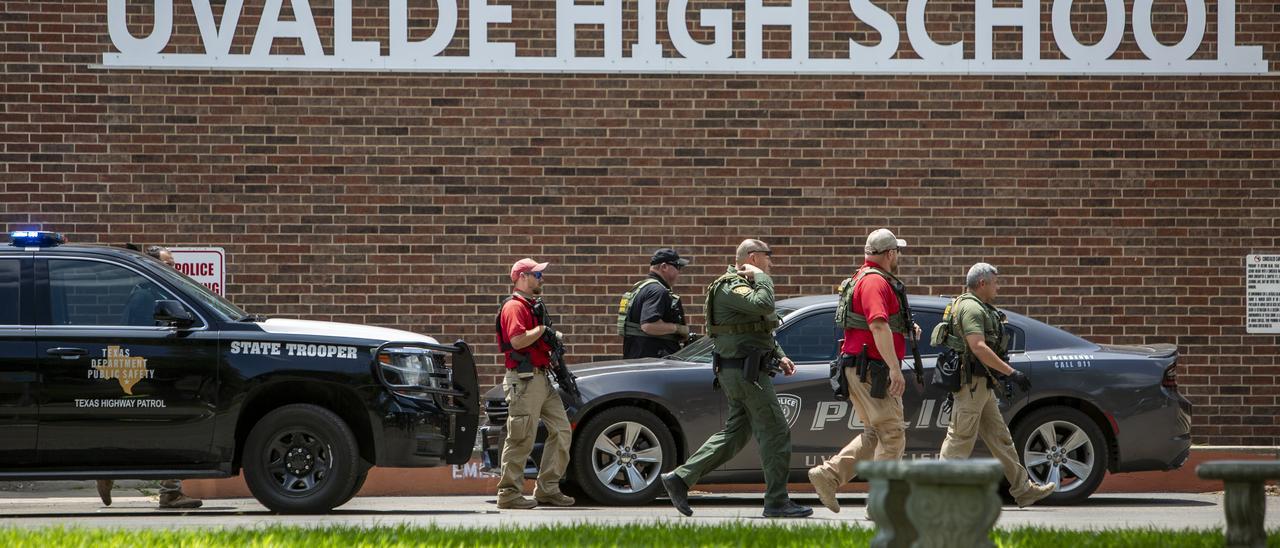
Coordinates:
x,y
173,313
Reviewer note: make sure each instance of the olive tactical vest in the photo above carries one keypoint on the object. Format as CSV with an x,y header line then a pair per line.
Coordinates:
x,y
848,319
764,325
632,329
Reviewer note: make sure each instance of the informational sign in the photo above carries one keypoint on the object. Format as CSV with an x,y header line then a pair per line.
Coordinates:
x,y
646,53
207,265
1262,290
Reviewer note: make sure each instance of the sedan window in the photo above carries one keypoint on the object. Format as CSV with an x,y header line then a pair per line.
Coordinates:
x,y
812,338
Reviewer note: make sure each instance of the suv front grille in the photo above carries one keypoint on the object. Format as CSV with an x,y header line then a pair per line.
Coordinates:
x,y
496,411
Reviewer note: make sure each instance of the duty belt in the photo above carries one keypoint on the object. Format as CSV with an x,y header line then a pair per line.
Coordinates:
x,y
731,363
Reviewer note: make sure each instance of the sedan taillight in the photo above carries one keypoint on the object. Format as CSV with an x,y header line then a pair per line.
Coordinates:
x,y
1170,379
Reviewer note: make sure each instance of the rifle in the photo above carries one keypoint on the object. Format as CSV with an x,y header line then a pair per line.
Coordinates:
x,y
911,335
564,378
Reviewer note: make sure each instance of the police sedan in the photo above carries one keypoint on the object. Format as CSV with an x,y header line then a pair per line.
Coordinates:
x,y
1094,409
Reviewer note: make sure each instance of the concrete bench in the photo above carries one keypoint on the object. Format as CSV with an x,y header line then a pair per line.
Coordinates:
x,y
945,503
1244,501
887,502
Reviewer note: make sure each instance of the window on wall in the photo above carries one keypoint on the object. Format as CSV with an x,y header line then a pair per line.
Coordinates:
x,y
90,293
10,292
811,338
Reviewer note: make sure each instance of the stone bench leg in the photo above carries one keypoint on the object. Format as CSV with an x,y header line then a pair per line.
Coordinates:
x,y
953,503
887,503
1245,503
1244,498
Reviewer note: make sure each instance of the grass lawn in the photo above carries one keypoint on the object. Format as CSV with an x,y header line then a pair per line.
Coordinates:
x,y
657,534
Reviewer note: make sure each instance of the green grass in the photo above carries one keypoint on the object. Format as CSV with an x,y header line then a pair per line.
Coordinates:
x,y
657,534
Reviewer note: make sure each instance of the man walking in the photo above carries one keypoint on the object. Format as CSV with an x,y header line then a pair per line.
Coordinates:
x,y
975,329
873,312
740,320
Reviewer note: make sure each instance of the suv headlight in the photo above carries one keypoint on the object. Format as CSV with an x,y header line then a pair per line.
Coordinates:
x,y
413,369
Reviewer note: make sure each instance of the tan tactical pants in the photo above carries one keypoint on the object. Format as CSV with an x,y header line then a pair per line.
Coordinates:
x,y
883,434
529,400
977,414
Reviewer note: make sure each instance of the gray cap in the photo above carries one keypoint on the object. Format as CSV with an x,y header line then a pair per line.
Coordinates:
x,y
881,241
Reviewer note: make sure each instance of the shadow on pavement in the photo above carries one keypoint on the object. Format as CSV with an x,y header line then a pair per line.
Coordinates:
x,y
1140,501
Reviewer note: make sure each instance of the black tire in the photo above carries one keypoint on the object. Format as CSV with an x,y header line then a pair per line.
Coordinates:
x,y
652,437
360,479
1029,438
301,459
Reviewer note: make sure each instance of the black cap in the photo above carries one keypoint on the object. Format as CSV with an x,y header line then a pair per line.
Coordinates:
x,y
667,255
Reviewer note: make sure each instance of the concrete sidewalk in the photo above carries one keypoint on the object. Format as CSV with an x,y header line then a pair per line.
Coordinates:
x,y
1104,511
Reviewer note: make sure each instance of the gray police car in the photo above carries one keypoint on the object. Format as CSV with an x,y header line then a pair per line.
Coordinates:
x,y
1093,409
114,366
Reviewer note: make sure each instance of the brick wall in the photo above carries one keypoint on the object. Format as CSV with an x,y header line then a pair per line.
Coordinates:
x,y
1119,208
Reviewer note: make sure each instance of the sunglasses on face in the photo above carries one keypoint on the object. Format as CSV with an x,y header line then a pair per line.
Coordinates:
x,y
676,266
536,275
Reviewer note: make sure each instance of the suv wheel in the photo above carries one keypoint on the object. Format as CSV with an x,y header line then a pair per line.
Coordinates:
x,y
301,459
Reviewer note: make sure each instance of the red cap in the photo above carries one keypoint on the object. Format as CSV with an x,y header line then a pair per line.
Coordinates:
x,y
526,265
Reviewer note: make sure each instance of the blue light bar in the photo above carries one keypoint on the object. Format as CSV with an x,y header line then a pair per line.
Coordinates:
x,y
35,238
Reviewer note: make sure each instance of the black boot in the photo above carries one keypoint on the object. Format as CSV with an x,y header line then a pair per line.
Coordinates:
x,y
678,492
788,509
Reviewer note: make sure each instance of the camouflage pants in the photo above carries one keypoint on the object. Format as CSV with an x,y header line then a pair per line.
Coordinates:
x,y
753,411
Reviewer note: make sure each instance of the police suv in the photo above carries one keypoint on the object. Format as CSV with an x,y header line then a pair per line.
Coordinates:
x,y
114,365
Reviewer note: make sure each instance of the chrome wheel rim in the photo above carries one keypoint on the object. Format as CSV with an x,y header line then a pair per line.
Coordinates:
x,y
1059,452
626,457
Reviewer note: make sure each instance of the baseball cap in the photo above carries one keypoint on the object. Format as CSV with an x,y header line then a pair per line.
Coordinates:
x,y
882,240
526,265
667,255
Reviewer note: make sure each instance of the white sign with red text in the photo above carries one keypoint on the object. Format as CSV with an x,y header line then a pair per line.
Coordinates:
x,y
207,265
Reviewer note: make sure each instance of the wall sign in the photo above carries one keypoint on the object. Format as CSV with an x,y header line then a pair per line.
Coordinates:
x,y
207,265
647,54
1262,290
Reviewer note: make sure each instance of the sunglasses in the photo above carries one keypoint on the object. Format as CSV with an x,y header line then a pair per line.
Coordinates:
x,y
536,275
677,266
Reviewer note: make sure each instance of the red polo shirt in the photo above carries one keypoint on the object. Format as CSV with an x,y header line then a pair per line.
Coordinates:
x,y
874,299
515,318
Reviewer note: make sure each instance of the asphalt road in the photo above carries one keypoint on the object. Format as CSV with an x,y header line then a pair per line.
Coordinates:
x,y
1165,511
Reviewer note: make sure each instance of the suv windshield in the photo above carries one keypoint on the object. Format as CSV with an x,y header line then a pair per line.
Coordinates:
x,y
700,350
220,306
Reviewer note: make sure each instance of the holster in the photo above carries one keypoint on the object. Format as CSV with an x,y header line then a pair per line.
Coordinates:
x,y
755,363
860,364
524,367
715,371
878,371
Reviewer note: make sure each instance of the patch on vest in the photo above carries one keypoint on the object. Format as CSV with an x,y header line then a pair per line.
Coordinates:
x,y
790,404
743,290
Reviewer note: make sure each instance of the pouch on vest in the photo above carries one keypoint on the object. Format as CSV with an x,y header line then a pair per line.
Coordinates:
x,y
839,378
948,370
626,328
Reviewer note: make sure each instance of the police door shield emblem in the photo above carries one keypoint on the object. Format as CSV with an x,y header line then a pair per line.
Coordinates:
x,y
790,404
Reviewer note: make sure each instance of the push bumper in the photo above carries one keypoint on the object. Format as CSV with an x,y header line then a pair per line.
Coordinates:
x,y
430,426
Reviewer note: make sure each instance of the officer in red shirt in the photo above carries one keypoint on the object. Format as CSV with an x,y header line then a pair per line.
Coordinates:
x,y
875,318
530,396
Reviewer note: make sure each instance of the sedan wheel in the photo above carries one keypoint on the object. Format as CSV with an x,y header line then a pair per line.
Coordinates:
x,y
1065,446
1059,452
618,455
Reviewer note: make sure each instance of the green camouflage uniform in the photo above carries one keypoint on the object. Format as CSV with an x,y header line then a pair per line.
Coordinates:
x,y
744,319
